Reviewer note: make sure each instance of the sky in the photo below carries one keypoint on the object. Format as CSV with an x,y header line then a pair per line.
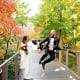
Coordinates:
x,y
33,6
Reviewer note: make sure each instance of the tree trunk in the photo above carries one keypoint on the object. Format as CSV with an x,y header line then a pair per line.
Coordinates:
x,y
7,45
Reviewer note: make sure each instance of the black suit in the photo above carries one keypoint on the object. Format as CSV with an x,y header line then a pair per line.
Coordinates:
x,y
49,52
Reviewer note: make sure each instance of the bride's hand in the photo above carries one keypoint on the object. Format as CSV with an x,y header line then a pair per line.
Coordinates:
x,y
39,50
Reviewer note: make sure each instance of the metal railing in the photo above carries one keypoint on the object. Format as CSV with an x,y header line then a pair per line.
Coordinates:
x,y
71,59
9,69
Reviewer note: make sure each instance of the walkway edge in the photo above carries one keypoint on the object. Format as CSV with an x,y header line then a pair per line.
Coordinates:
x,y
70,71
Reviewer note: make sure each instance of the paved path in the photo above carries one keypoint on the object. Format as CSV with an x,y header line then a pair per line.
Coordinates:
x,y
53,71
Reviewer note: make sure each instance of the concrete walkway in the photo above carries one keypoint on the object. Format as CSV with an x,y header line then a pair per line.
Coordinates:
x,y
53,71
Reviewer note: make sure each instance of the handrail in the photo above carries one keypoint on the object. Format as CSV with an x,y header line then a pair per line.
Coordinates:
x,y
6,61
4,67
73,50
74,66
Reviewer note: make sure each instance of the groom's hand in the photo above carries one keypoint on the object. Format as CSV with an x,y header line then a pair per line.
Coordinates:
x,y
50,49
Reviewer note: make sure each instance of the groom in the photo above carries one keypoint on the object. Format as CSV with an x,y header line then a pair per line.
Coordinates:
x,y
52,44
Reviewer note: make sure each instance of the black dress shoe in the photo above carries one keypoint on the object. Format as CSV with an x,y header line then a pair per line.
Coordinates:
x,y
43,66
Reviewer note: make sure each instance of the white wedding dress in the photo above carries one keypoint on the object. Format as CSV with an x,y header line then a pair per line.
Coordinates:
x,y
27,61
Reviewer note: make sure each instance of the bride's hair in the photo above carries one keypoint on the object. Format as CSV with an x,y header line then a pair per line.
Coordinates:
x,y
25,38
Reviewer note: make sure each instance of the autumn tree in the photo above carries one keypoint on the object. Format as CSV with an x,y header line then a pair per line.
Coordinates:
x,y
61,15
21,13
7,22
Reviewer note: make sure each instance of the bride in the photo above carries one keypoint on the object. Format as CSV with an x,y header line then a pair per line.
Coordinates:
x,y
27,53
25,58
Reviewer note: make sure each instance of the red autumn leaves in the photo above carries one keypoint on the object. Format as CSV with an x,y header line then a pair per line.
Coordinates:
x,y
7,22
7,7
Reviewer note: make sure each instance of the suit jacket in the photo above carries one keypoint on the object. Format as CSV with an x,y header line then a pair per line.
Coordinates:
x,y
56,43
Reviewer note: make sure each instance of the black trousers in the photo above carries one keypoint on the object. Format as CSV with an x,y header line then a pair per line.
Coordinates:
x,y
50,58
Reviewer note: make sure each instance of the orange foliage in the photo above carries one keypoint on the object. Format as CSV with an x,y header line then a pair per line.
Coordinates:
x,y
6,26
17,30
38,29
7,22
7,7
